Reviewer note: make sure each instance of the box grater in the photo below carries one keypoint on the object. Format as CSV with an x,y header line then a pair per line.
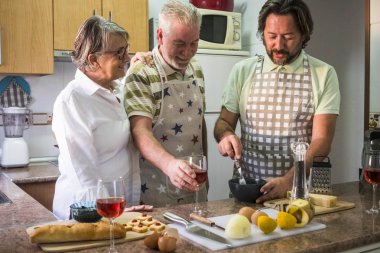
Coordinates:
x,y
320,176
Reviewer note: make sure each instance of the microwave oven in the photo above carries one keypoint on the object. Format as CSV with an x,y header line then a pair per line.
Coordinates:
x,y
220,30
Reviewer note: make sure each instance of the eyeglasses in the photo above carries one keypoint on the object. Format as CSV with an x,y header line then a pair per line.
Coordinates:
x,y
121,52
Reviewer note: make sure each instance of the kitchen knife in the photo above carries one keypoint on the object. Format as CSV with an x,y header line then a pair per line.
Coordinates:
x,y
204,220
194,229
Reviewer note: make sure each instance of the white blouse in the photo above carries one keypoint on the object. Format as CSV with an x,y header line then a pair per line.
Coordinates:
x,y
93,134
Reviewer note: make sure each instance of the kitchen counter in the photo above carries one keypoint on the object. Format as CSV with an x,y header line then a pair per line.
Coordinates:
x,y
34,173
37,179
345,230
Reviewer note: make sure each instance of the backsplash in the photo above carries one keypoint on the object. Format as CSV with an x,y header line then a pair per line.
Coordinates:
x,y
44,90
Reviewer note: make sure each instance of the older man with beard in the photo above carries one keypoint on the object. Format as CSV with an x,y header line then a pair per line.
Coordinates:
x,y
165,104
278,98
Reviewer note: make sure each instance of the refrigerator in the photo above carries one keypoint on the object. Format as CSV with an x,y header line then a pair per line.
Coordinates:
x,y
217,65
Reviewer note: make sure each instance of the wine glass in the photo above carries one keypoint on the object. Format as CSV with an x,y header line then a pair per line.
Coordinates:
x,y
372,175
110,202
199,164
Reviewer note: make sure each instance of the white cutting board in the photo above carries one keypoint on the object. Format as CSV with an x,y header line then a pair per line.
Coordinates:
x,y
256,236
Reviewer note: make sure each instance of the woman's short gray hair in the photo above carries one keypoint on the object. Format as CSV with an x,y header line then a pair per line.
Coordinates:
x,y
182,12
93,37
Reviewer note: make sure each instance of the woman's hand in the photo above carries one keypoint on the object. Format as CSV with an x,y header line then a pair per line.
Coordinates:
x,y
144,57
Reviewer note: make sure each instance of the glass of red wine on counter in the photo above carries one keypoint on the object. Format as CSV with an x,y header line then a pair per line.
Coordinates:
x,y
199,164
372,176
110,202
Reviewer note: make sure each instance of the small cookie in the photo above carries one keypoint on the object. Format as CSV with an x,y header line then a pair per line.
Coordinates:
x,y
128,227
157,226
143,217
148,221
134,222
140,228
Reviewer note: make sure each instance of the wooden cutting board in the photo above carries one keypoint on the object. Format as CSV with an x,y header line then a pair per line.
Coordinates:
x,y
70,246
340,206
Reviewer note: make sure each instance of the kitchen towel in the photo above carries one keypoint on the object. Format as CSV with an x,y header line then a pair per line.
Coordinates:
x,y
14,92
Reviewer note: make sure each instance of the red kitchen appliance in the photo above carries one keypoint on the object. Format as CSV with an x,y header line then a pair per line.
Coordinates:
x,y
221,5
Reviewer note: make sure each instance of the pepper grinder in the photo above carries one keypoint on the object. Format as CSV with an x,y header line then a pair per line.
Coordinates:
x,y
299,189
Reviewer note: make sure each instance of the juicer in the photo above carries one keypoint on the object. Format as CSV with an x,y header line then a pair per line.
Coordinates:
x,y
15,152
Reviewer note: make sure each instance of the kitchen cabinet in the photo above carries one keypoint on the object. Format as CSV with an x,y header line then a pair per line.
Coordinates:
x,y
26,37
43,192
132,15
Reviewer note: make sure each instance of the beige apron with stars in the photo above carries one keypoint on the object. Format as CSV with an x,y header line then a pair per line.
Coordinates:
x,y
280,109
179,131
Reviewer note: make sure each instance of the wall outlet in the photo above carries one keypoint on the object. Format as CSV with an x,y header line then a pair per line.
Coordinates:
x,y
42,118
39,118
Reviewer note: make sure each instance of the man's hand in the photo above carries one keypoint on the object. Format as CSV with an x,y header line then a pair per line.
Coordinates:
x,y
230,145
275,188
182,175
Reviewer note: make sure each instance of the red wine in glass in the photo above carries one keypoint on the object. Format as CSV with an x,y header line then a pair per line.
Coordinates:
x,y
201,176
199,164
372,175
111,207
110,202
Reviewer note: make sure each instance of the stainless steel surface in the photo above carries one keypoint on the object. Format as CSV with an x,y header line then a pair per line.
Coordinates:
x,y
44,160
192,228
238,168
4,199
320,177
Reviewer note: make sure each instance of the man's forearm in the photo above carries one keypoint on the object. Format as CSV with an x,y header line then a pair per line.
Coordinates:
x,y
151,149
221,129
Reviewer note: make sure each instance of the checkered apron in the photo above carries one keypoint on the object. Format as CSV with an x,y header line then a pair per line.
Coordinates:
x,y
280,109
179,131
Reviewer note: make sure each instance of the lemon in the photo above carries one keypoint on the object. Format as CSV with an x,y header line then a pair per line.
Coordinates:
x,y
286,220
266,224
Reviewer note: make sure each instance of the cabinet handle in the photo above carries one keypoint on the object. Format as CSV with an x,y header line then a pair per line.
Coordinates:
x,y
94,12
1,48
110,16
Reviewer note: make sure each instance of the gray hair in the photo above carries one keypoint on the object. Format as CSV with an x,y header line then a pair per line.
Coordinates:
x,y
93,37
183,12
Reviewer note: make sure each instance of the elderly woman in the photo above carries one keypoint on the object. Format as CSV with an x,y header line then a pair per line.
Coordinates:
x,y
91,126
